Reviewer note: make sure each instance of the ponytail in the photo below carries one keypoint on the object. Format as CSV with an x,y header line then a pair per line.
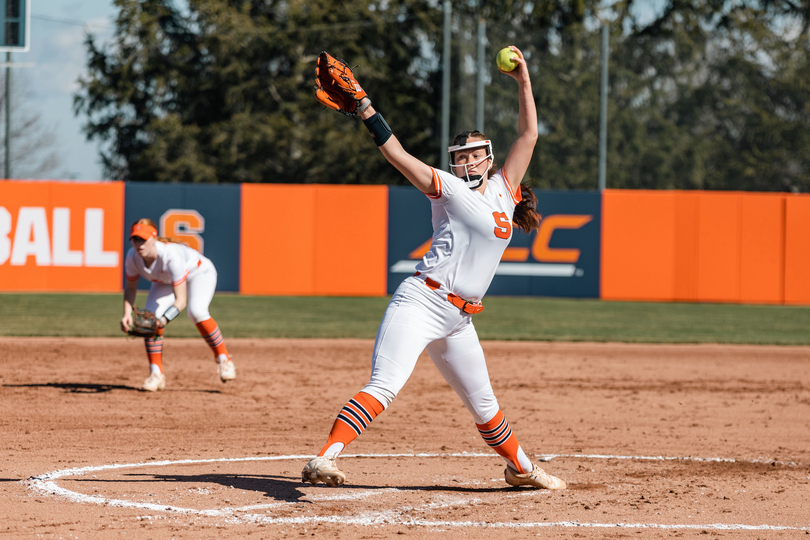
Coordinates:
x,y
526,216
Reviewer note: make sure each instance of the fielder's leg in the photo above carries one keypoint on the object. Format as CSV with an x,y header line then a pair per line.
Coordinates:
x,y
160,297
154,352
209,330
201,285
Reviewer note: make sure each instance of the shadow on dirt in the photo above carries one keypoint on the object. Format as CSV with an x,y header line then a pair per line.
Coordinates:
x,y
88,388
79,388
279,488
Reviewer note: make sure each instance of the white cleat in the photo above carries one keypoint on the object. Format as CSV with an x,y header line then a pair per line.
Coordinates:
x,y
537,478
323,469
154,382
226,370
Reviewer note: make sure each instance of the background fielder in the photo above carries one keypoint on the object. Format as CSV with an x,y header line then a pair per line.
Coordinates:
x,y
180,275
473,212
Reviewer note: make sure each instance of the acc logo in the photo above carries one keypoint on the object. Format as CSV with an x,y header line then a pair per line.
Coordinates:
x,y
184,226
551,261
540,247
50,246
540,250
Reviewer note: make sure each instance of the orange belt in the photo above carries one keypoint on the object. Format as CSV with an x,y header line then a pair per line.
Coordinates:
x,y
459,302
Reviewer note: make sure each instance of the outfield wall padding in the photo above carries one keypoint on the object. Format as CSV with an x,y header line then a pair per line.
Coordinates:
x,y
338,240
61,236
561,258
705,246
314,240
204,216
797,249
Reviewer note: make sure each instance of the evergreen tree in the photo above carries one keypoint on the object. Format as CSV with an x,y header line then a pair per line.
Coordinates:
x,y
222,91
710,95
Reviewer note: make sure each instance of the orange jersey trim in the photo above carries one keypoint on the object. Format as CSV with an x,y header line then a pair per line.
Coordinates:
x,y
517,196
181,280
436,180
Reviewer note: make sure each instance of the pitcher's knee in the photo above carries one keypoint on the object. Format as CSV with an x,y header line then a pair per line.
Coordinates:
x,y
383,395
484,409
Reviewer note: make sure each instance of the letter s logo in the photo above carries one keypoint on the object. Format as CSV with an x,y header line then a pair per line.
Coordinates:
x,y
184,226
503,226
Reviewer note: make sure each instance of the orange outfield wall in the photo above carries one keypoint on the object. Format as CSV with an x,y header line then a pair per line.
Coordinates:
x,y
762,248
302,240
638,245
61,236
705,246
797,249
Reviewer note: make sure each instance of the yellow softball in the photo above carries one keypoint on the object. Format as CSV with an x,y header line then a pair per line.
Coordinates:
x,y
506,59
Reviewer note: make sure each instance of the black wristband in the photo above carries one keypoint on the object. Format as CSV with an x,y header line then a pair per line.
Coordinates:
x,y
170,314
379,129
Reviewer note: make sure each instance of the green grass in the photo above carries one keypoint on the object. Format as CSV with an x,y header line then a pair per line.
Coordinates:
x,y
506,318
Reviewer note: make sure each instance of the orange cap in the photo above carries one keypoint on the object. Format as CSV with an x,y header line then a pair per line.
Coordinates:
x,y
143,230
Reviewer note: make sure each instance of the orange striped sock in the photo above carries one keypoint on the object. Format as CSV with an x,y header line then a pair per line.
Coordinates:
x,y
154,349
209,330
498,435
351,422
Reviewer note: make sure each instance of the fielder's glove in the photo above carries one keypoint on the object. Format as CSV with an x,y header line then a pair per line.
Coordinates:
x,y
336,87
144,323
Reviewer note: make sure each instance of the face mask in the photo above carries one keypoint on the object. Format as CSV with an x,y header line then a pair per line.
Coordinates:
x,y
473,181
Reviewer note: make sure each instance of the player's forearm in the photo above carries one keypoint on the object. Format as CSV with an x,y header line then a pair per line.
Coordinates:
x,y
180,296
368,112
527,111
129,299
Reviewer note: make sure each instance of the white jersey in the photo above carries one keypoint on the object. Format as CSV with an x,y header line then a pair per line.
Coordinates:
x,y
172,265
471,230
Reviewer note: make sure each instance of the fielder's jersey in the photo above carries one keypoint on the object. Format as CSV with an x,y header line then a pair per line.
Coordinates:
x,y
471,230
172,265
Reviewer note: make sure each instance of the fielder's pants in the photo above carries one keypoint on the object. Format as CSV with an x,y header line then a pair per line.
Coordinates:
x,y
200,286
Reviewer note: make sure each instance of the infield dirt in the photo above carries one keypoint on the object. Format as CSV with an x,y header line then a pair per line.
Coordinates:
x,y
204,459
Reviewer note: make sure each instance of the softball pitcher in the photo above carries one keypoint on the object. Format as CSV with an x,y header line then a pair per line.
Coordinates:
x,y
180,275
473,212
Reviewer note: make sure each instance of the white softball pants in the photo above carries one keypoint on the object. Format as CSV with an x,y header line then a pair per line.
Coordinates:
x,y
201,284
417,319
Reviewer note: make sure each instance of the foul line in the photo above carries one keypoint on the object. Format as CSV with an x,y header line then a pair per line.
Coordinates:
x,y
46,483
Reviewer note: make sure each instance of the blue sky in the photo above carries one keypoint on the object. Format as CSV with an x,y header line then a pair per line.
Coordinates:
x,y
57,51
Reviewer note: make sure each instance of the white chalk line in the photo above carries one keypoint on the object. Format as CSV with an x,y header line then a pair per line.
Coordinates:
x,y
46,484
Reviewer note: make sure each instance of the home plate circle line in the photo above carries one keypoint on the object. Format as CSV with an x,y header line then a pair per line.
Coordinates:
x,y
46,483
386,519
542,457
78,471
549,457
